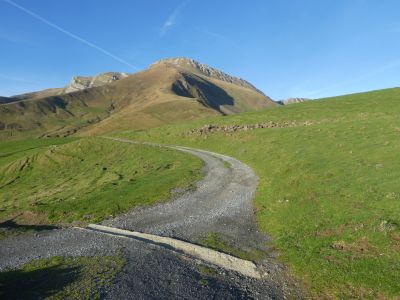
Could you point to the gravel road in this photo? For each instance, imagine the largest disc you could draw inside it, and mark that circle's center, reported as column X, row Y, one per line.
column 221, row 203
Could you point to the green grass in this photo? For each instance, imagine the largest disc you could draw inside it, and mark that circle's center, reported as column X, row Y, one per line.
column 86, row 180
column 61, row 278
column 226, row 164
column 329, row 193
column 207, row 271
column 216, row 242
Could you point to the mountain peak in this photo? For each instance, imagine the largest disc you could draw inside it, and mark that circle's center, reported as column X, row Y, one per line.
column 192, row 65
column 179, row 61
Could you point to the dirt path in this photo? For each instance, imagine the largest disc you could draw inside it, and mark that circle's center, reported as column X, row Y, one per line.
column 221, row 203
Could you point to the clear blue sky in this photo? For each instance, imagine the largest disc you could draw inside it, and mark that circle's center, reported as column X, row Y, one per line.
column 302, row 48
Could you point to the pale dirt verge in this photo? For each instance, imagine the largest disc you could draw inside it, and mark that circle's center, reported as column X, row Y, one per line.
column 244, row 267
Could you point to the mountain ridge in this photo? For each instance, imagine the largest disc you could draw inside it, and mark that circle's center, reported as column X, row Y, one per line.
column 77, row 83
column 162, row 94
column 206, row 70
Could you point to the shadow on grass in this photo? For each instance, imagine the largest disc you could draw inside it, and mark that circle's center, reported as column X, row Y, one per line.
column 36, row 284
column 11, row 225
column 10, row 228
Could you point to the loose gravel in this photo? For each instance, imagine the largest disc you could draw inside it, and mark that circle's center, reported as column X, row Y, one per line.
column 220, row 204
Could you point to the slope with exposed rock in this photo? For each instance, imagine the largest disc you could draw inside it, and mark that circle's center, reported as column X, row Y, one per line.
column 171, row 90
column 293, row 100
column 79, row 83
column 191, row 65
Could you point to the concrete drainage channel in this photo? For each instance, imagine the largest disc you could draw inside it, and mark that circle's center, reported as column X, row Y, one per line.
column 244, row 267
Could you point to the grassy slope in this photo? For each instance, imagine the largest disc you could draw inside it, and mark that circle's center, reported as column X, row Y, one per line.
column 53, row 116
column 66, row 180
column 329, row 193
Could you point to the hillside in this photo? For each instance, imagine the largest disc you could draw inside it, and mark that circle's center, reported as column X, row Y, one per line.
column 78, row 83
column 39, row 94
column 170, row 91
column 329, row 186
column 64, row 180
column 5, row 100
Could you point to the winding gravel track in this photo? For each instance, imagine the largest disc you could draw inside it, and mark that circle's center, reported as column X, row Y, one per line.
column 221, row 203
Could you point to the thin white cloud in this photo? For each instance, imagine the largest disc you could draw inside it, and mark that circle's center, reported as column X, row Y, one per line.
column 171, row 20
column 72, row 35
column 17, row 79
column 11, row 85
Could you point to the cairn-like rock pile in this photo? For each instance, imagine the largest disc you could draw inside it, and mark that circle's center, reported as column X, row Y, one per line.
column 234, row 128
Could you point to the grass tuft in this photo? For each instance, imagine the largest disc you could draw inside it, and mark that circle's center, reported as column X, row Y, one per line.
column 216, row 242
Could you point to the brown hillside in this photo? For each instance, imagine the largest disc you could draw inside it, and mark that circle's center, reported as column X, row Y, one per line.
column 169, row 91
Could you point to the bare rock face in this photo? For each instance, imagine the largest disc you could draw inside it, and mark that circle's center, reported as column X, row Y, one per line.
column 79, row 83
column 293, row 100
column 202, row 69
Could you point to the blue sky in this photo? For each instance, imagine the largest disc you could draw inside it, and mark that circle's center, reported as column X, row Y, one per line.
column 287, row 48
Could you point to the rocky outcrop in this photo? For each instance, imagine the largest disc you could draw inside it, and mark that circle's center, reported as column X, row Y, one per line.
column 79, row 83
column 192, row 65
column 293, row 100
column 234, row 128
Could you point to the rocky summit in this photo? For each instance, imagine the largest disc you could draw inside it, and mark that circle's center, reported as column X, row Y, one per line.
column 192, row 65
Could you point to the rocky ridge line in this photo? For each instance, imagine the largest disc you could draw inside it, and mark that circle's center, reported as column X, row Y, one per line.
column 207, row 71
column 79, row 83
